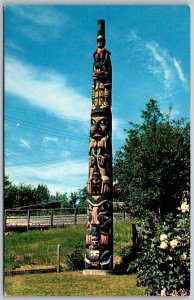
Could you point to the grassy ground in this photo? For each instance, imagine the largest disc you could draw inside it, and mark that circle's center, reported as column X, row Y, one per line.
column 72, row 284
column 39, row 247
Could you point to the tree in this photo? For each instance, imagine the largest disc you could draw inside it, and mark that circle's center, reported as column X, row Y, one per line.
column 73, row 199
column 9, row 193
column 82, row 200
column 63, row 199
column 23, row 194
column 42, row 193
column 152, row 169
column 26, row 195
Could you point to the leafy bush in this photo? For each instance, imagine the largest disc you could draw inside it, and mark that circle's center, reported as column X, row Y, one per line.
column 75, row 259
column 163, row 264
column 125, row 255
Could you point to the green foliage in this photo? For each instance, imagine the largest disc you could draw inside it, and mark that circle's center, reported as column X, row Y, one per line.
column 75, row 259
column 163, row 264
column 122, row 236
column 12, row 262
column 10, row 193
column 127, row 261
column 82, row 200
column 152, row 169
column 62, row 198
column 42, row 193
column 73, row 199
column 23, row 194
column 16, row 196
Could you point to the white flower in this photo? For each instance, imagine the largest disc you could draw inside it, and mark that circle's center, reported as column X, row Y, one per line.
column 163, row 245
column 163, row 292
column 184, row 207
column 163, row 237
column 174, row 243
column 169, row 257
column 184, row 256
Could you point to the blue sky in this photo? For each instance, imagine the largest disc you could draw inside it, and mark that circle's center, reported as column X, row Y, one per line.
column 48, row 78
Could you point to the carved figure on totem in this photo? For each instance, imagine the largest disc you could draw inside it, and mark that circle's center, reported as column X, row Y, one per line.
column 100, row 154
column 102, row 72
column 99, row 241
column 99, row 233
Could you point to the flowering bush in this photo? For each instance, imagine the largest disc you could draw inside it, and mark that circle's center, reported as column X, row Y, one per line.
column 163, row 263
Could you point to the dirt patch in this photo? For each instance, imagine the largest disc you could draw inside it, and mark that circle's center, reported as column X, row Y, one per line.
column 33, row 267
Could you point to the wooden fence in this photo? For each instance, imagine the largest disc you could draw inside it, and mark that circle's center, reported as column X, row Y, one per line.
column 46, row 218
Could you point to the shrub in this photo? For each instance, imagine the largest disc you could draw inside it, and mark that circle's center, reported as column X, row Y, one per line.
column 75, row 259
column 126, row 255
column 163, row 264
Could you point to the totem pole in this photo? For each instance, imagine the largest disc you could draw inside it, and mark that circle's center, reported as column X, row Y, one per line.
column 99, row 235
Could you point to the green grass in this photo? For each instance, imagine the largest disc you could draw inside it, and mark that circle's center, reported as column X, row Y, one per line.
column 72, row 284
column 122, row 232
column 39, row 247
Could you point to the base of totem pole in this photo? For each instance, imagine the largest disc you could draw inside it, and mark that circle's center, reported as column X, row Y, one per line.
column 97, row 272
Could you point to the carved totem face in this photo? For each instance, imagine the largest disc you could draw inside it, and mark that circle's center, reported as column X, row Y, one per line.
column 99, row 223
column 99, row 127
column 100, row 42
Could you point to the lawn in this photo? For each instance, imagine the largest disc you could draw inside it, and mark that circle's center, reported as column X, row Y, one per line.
column 38, row 248
column 72, row 284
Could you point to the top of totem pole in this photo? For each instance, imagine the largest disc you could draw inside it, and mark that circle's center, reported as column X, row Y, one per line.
column 102, row 74
column 101, row 29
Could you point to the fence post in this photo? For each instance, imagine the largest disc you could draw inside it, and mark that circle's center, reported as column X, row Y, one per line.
column 124, row 213
column 52, row 219
column 58, row 258
column 75, row 215
column 28, row 225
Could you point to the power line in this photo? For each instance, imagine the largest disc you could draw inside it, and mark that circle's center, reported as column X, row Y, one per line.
column 45, row 161
column 14, row 174
column 50, row 115
column 26, row 125
column 59, row 116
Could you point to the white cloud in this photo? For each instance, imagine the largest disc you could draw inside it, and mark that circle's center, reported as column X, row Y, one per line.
column 118, row 126
column 50, row 139
column 34, row 34
column 12, row 45
column 132, row 35
column 163, row 67
column 24, row 143
column 179, row 70
column 46, row 89
column 40, row 23
column 65, row 176
column 41, row 15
